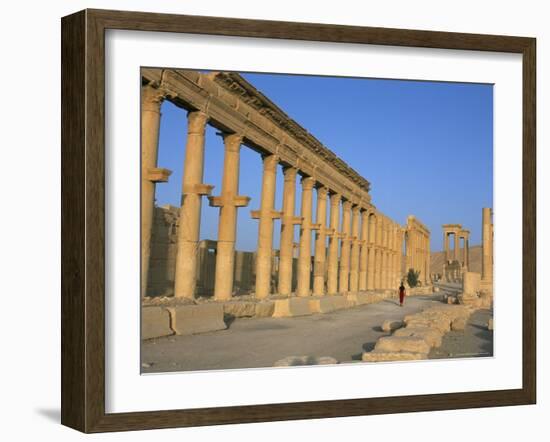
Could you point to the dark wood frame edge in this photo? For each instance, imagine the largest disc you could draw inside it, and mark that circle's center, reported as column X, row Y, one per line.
column 83, row 234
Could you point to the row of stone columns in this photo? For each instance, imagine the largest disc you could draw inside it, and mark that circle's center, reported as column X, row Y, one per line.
column 418, row 252
column 363, row 254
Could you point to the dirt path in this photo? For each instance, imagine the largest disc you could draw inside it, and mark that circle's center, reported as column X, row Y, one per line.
column 247, row 343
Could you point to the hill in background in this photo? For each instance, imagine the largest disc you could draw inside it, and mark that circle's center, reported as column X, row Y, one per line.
column 438, row 259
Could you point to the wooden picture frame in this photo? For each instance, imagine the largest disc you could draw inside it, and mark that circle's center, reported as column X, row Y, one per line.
column 83, row 220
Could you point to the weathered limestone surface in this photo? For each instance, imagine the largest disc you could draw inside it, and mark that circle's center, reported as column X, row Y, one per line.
column 327, row 304
column 458, row 324
column 389, row 326
column 193, row 319
column 432, row 336
column 291, row 361
column 471, row 283
column 490, row 325
column 155, row 322
column 381, row 356
column 265, row 309
column 291, row 307
column 240, row 309
column 409, row 344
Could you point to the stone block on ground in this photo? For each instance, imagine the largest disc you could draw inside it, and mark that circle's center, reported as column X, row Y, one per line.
column 432, row 336
column 379, row 356
column 358, row 299
column 490, row 325
column 193, row 319
column 264, row 309
column 459, row 324
column 155, row 322
column 408, row 344
column 240, row 309
column 293, row 361
column 321, row 304
column 471, row 283
column 291, row 307
column 451, row 300
column 390, row 325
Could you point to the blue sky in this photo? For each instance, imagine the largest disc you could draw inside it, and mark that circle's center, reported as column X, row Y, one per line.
column 426, row 148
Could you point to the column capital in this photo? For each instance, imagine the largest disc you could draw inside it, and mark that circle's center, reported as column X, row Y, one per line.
column 290, row 173
column 270, row 163
column 322, row 191
column 151, row 98
column 346, row 205
column 307, row 182
column 335, row 199
column 356, row 209
column 232, row 142
column 196, row 122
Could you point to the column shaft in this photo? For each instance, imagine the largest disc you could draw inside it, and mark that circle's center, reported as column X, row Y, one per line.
column 487, row 246
column 265, row 230
column 332, row 263
column 190, row 211
column 446, row 242
column 457, row 248
column 364, row 252
column 371, row 252
column 320, row 243
column 304, row 259
column 227, row 225
column 287, row 232
column 378, row 255
column 354, row 262
column 343, row 281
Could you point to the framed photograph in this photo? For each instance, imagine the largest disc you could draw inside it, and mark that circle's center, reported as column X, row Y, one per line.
column 267, row 221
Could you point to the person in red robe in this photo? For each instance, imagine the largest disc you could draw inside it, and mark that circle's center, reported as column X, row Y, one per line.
column 401, row 294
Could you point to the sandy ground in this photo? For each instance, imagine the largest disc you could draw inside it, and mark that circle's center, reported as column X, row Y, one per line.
column 343, row 335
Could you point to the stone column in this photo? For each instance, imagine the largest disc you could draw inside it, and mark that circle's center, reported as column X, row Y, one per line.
column 446, row 242
column 343, row 281
column 467, row 252
column 287, row 231
column 378, row 255
column 266, row 214
column 304, row 259
column 371, row 252
column 320, row 243
column 355, row 243
column 151, row 100
column 393, row 257
column 457, row 248
column 228, row 202
column 190, row 211
column 384, row 255
column 332, row 263
column 428, row 261
column 364, row 252
column 487, row 246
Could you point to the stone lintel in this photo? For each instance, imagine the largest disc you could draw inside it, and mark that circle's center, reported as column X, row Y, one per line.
column 199, row 189
column 157, row 174
column 315, row 226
